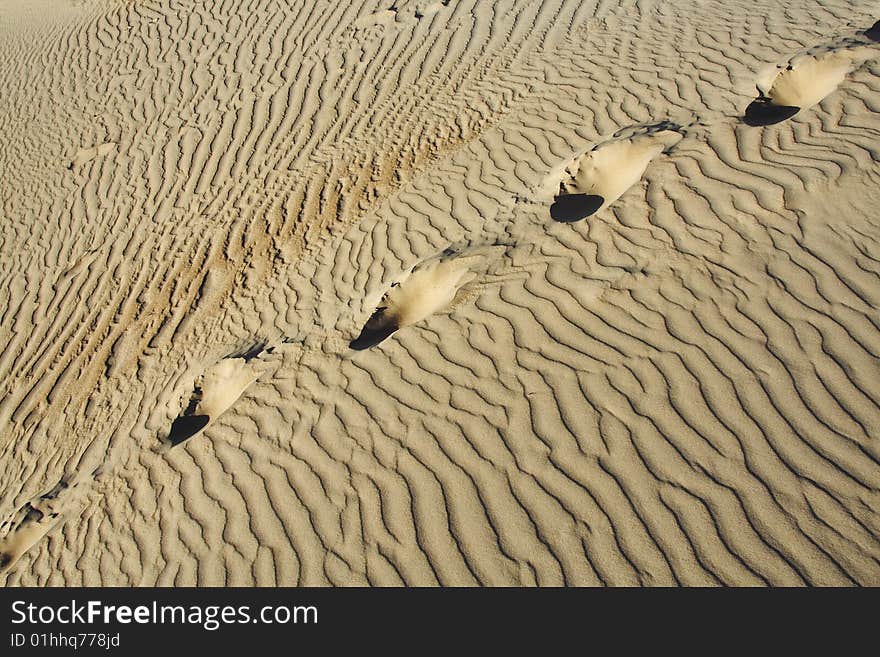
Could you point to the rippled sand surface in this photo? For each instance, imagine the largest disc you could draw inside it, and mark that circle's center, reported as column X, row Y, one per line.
column 439, row 292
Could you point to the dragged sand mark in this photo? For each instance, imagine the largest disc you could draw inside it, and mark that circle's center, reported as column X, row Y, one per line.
column 30, row 524
column 595, row 179
column 85, row 155
column 215, row 392
column 426, row 288
column 804, row 80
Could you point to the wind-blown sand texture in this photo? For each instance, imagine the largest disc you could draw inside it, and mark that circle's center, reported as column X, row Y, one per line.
column 682, row 387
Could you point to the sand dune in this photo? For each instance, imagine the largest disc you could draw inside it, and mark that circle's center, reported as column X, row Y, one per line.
column 205, row 204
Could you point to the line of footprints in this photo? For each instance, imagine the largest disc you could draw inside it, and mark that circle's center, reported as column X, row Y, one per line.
column 585, row 184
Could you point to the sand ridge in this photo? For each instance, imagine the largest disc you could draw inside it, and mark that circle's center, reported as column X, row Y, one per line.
column 682, row 390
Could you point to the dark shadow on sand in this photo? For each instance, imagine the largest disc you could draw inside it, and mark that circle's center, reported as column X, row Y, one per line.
column 251, row 351
column 186, row 426
column 761, row 112
column 568, row 208
column 372, row 335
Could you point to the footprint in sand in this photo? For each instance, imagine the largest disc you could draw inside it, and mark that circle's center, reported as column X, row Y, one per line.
column 805, row 80
column 378, row 19
column 595, row 179
column 215, row 391
column 426, row 288
column 31, row 523
column 430, row 7
column 85, row 155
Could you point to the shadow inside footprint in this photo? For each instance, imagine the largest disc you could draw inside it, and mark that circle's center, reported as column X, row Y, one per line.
column 568, row 208
column 186, row 426
column 214, row 392
column 251, row 351
column 761, row 112
column 374, row 332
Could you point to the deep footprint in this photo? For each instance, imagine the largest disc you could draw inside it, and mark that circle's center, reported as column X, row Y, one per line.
column 804, row 81
column 427, row 288
column 594, row 180
column 218, row 388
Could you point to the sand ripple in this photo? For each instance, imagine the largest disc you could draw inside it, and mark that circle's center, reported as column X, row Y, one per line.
column 681, row 388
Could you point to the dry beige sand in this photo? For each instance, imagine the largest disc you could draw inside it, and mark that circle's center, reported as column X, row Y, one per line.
column 207, row 205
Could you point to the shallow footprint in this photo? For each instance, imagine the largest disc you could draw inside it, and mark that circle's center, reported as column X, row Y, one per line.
column 85, row 155
column 32, row 522
column 428, row 287
column 804, row 81
column 218, row 389
column 593, row 180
